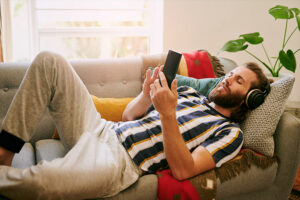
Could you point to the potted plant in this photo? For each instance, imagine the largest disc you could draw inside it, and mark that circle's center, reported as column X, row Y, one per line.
column 284, row 58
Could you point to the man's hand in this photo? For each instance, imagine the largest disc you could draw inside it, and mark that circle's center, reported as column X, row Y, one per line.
column 164, row 99
column 138, row 107
column 150, row 80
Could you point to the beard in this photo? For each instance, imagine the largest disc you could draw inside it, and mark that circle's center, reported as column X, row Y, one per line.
column 227, row 100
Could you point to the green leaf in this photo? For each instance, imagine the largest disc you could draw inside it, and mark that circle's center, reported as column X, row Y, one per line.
column 298, row 21
column 296, row 11
column 288, row 60
column 252, row 38
column 281, row 12
column 234, row 45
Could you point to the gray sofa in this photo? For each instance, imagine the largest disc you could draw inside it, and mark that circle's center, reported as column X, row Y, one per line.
column 123, row 78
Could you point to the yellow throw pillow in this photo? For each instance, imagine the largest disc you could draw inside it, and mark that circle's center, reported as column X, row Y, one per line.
column 110, row 109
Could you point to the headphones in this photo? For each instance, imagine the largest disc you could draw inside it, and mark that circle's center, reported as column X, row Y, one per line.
column 256, row 97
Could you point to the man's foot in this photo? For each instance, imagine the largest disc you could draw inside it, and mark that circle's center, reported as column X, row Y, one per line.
column 6, row 156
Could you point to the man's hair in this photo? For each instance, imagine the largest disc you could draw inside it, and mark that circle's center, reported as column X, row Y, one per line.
column 263, row 83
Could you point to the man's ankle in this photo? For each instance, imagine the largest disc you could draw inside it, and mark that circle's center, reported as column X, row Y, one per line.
column 6, row 156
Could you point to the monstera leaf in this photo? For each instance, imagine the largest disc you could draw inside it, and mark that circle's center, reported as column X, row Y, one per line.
column 281, row 12
column 288, row 60
column 297, row 12
column 234, row 45
column 252, row 38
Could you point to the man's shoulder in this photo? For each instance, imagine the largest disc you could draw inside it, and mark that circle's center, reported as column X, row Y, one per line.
column 188, row 90
column 190, row 93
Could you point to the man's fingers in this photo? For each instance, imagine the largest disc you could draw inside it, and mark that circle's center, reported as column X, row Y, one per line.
column 161, row 67
column 174, row 86
column 163, row 79
column 148, row 75
column 157, row 84
column 155, row 73
column 152, row 90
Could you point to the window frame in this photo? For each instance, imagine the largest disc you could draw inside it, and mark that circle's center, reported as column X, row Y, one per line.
column 32, row 47
column 155, row 37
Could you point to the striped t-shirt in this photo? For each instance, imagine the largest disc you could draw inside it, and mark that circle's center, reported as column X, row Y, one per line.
column 199, row 124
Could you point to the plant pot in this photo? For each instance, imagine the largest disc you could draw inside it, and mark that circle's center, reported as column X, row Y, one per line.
column 269, row 76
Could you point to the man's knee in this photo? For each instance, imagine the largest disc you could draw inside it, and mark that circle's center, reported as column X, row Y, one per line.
column 48, row 59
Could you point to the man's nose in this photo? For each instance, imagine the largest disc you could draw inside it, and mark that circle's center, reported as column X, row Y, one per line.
column 228, row 80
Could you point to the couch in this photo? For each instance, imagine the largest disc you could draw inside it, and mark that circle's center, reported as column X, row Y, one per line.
column 123, row 77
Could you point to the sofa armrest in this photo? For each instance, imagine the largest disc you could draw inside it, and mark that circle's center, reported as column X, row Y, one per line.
column 287, row 148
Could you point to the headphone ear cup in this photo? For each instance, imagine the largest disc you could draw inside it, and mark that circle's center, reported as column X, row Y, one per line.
column 255, row 98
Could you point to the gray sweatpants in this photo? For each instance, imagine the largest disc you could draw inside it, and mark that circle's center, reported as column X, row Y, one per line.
column 96, row 165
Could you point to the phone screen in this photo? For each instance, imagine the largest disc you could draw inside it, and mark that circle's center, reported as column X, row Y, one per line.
column 171, row 66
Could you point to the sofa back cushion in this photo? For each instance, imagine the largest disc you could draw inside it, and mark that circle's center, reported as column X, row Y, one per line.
column 111, row 77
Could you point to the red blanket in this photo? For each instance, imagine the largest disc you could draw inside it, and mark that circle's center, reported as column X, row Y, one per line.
column 183, row 190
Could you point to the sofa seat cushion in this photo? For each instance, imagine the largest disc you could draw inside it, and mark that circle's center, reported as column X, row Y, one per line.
column 144, row 188
column 25, row 158
column 49, row 149
column 252, row 172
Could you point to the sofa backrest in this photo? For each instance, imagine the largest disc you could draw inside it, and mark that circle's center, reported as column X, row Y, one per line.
column 120, row 77
column 111, row 77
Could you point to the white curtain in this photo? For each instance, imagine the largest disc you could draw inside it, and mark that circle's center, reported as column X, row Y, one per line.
column 6, row 31
column 1, row 54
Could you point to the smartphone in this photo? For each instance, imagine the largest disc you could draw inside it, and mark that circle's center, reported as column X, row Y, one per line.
column 171, row 66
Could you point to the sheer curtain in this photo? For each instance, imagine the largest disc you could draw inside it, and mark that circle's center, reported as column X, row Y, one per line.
column 5, row 31
column 1, row 55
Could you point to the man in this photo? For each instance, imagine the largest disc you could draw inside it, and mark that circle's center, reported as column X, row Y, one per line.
column 182, row 130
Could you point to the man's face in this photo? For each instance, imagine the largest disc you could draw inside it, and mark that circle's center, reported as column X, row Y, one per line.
column 231, row 92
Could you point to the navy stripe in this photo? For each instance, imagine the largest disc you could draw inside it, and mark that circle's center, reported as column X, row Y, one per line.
column 222, row 153
column 137, row 137
column 228, row 126
column 148, row 153
column 186, row 104
column 191, row 116
column 163, row 164
column 123, row 126
column 182, row 88
column 201, row 128
column 150, row 109
column 212, row 139
column 190, row 90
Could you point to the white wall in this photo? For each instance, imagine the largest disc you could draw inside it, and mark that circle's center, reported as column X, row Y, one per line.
column 207, row 24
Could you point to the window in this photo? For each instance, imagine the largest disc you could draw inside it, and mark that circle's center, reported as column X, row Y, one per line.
column 86, row 29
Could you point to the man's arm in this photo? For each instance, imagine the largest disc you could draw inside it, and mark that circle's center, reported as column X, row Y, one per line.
column 182, row 163
column 138, row 106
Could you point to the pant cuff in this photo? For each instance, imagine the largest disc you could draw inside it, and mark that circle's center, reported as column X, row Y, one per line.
column 11, row 142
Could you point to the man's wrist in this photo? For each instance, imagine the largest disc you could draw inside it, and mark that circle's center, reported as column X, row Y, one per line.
column 168, row 116
column 146, row 98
